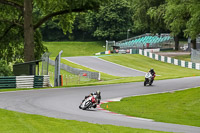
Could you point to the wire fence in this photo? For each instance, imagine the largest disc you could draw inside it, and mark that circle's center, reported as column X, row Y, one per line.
column 72, row 79
column 76, row 71
column 195, row 56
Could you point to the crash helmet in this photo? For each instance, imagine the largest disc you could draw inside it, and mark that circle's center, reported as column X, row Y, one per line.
column 151, row 70
column 98, row 92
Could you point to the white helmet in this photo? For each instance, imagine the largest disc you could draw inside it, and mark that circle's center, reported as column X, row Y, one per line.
column 98, row 92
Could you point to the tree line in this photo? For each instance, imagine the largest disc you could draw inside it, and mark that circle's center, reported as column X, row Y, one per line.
column 23, row 23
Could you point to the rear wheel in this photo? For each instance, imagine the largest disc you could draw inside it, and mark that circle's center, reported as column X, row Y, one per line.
column 95, row 106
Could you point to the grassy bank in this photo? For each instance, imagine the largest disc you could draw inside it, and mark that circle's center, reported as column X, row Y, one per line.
column 181, row 107
column 138, row 62
column 74, row 48
column 183, row 57
column 14, row 122
column 142, row 63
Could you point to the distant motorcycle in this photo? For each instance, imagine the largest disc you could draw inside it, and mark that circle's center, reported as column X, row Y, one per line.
column 148, row 79
column 89, row 102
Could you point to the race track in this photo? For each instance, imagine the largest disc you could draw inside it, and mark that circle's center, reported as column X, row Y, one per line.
column 63, row 103
column 104, row 66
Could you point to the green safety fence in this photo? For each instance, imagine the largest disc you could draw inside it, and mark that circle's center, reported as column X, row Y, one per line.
column 11, row 82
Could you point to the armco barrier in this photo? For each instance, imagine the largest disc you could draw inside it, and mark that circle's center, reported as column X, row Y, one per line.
column 170, row 60
column 76, row 71
column 8, row 82
column 24, row 81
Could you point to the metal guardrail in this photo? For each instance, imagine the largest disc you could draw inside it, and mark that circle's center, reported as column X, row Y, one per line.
column 24, row 81
column 8, row 82
column 170, row 60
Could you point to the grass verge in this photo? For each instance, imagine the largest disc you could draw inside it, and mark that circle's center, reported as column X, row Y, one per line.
column 183, row 57
column 142, row 63
column 138, row 62
column 74, row 48
column 180, row 107
column 15, row 122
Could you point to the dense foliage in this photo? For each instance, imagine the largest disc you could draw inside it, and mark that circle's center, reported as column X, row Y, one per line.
column 5, row 69
column 113, row 20
column 20, row 19
column 89, row 20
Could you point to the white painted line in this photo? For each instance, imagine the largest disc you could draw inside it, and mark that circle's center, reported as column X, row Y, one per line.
column 132, row 117
column 21, row 90
column 115, row 99
column 155, row 93
column 138, row 118
column 113, row 113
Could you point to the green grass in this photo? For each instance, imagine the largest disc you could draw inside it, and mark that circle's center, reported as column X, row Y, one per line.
column 104, row 76
column 14, row 122
column 74, row 48
column 69, row 79
column 180, row 107
column 142, row 63
column 139, row 62
column 183, row 57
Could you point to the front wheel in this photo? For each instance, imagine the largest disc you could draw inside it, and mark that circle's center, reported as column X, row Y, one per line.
column 145, row 83
column 151, row 82
column 87, row 105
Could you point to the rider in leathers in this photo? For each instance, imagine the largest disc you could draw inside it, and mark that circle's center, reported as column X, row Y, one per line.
column 152, row 73
column 98, row 97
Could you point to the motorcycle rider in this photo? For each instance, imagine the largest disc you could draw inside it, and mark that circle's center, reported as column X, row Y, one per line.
column 98, row 97
column 152, row 73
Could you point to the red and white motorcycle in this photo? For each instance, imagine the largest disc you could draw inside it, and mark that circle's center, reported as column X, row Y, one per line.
column 89, row 102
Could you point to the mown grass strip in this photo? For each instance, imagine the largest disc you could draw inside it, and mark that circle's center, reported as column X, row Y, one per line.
column 183, row 57
column 15, row 122
column 180, row 107
column 74, row 48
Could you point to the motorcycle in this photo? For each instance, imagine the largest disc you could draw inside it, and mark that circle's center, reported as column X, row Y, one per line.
column 148, row 79
column 89, row 102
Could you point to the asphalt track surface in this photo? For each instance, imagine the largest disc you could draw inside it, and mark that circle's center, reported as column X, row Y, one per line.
column 63, row 103
column 101, row 65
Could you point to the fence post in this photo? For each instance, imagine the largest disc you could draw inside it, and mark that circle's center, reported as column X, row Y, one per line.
column 79, row 79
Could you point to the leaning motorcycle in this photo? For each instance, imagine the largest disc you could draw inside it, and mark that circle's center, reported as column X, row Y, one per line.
column 148, row 79
column 88, row 103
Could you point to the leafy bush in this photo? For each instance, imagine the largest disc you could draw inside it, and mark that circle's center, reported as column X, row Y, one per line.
column 5, row 69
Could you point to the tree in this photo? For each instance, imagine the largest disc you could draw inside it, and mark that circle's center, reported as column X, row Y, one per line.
column 145, row 20
column 183, row 15
column 5, row 69
column 24, row 17
column 85, row 25
column 113, row 20
column 157, row 14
